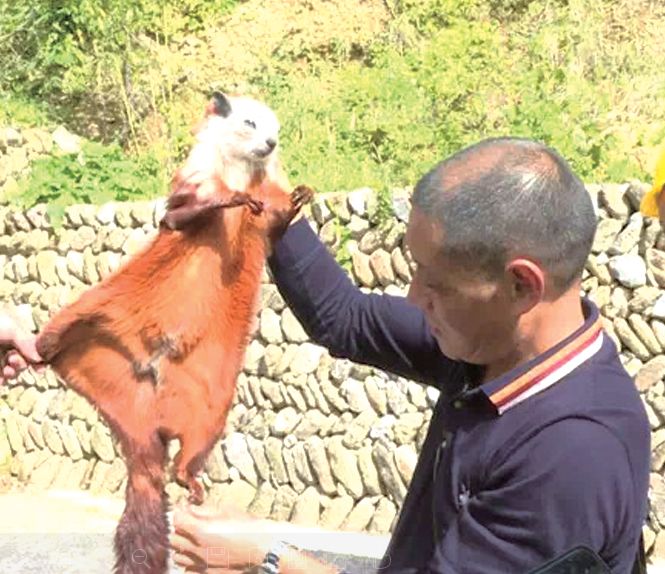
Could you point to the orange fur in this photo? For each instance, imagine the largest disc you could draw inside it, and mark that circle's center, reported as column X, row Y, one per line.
column 186, row 303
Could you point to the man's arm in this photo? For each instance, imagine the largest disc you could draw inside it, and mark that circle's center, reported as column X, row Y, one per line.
column 572, row 486
column 379, row 330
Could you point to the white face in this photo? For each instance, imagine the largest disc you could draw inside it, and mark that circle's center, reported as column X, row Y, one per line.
column 250, row 132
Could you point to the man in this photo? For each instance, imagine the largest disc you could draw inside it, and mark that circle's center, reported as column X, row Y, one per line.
column 539, row 441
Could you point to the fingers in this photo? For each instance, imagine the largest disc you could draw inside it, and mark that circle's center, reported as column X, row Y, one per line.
column 26, row 346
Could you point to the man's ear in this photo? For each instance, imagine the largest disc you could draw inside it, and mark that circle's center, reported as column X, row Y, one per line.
column 528, row 282
column 220, row 105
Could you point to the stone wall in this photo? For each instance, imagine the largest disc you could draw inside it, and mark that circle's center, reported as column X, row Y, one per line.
column 310, row 439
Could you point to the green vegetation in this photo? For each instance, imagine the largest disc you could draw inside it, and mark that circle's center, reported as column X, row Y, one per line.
column 98, row 174
column 585, row 76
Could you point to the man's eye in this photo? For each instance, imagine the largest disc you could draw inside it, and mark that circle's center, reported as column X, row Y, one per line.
column 251, row 124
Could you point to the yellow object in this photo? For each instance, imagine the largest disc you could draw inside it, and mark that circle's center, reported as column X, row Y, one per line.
column 649, row 204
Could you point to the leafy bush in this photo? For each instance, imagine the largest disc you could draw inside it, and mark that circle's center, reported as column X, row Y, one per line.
column 97, row 174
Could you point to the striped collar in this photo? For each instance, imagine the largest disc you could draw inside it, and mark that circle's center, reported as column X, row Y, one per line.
column 542, row 372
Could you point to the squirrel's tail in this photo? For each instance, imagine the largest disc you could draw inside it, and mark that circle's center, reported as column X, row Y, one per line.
column 142, row 537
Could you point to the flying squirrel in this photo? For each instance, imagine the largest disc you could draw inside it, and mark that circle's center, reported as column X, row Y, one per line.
column 157, row 346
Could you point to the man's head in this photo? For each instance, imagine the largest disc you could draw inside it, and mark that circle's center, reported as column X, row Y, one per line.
column 497, row 231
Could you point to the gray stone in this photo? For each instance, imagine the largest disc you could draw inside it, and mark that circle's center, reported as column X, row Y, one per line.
column 658, row 310
column 658, row 329
column 655, row 259
column 606, row 233
column 52, row 436
column 645, row 334
column 237, row 453
column 240, row 492
column 313, row 422
column 370, row 242
column 27, row 401
column 270, row 328
column 285, row 498
column 307, row 359
column 344, row 465
column 400, row 264
column 115, row 475
column 316, row 453
column 358, row 429
column 368, row 472
column 35, row 432
column 401, row 207
column 253, row 355
column 44, row 474
column 216, row 465
column 75, row 264
column 270, row 360
column 405, row 461
column 307, row 507
column 599, row 269
column 360, row 200
column 101, row 443
column 273, row 447
column 396, row 397
column 357, row 226
column 65, row 141
column 295, row 481
column 107, row 263
column 293, row 330
column 71, row 442
column 90, row 275
column 333, row 516
column 643, row 299
column 362, row 270
column 650, row 234
column 136, row 241
column 320, row 210
column 286, row 420
column 115, row 239
column 360, row 517
column 83, row 435
column 85, row 236
column 382, row 267
column 630, row 339
column 629, row 270
column 383, row 517
column 353, row 392
column 652, row 372
column 407, row 426
column 263, row 501
column 388, row 473
column 612, row 197
column 629, row 237
column 142, row 212
column 329, row 233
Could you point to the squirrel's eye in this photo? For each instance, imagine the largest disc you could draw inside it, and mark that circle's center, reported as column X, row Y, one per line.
column 251, row 124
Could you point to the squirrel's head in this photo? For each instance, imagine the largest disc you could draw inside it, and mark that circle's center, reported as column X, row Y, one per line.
column 241, row 128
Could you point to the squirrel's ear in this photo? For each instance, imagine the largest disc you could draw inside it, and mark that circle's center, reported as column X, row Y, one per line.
column 219, row 104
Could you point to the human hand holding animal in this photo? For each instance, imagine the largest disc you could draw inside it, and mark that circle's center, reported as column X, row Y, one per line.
column 17, row 347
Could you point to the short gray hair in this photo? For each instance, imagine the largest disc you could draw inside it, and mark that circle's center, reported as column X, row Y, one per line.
column 511, row 196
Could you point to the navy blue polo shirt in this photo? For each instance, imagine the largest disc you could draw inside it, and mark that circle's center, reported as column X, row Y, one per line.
column 513, row 472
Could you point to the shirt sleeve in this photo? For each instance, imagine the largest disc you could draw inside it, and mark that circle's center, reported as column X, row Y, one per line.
column 571, row 485
column 380, row 330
